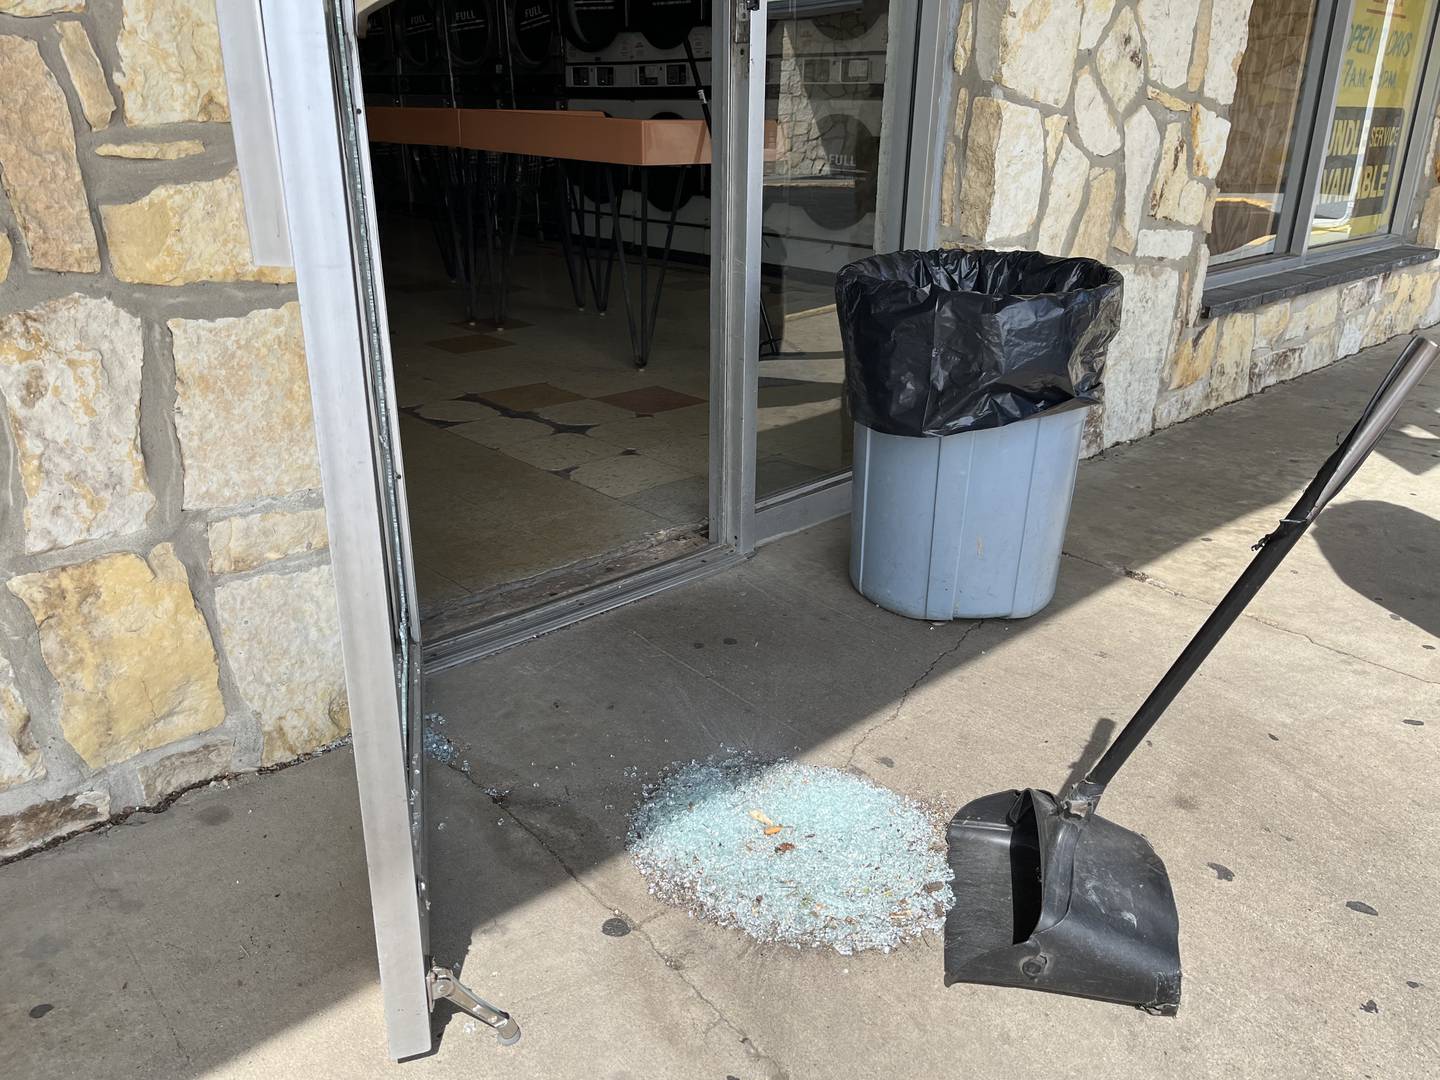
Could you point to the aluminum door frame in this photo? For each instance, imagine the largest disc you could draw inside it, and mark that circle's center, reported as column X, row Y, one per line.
column 738, row 163
column 328, row 199
column 328, row 196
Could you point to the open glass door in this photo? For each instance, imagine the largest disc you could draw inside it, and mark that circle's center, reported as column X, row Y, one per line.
column 321, row 126
column 311, row 52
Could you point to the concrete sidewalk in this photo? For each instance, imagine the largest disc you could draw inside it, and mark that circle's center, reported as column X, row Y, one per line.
column 230, row 936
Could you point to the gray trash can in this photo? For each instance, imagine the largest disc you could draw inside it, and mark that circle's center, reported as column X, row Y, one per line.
column 966, row 526
column 968, row 374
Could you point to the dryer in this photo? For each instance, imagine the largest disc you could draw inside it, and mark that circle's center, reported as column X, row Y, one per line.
column 503, row 53
column 533, row 63
column 474, row 44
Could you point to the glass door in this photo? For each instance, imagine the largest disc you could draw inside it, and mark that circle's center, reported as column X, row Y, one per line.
column 839, row 97
column 328, row 197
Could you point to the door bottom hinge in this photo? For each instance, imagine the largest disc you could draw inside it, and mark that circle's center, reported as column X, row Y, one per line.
column 442, row 983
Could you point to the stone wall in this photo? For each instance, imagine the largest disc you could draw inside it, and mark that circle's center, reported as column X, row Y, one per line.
column 1097, row 128
column 167, row 612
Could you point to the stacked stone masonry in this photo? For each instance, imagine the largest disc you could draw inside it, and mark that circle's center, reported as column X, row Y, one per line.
column 1096, row 128
column 167, row 609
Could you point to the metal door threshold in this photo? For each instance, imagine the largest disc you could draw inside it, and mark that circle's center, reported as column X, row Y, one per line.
column 466, row 645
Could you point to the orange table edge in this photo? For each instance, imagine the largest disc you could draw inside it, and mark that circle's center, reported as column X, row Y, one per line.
column 572, row 135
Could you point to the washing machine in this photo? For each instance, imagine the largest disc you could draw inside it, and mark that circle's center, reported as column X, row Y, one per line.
column 532, row 74
column 628, row 58
column 635, row 50
column 474, row 45
column 466, row 53
column 423, row 66
column 379, row 62
column 503, row 53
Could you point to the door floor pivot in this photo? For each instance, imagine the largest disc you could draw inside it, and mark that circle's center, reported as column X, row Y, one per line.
column 443, row 984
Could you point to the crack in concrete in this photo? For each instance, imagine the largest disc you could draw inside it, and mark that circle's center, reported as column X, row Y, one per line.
column 1341, row 652
column 1146, row 579
column 136, row 816
column 635, row 927
column 876, row 727
column 1134, row 575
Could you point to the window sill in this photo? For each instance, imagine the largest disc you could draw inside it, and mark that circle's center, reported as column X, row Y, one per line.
column 1283, row 284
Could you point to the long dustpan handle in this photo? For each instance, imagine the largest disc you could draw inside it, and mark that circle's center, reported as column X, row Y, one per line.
column 1339, row 467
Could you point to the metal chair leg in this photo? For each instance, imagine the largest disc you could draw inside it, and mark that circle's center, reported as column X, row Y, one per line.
column 642, row 351
column 665, row 256
column 567, row 243
column 619, row 247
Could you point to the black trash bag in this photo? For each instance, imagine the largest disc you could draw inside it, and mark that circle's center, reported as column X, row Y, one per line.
column 938, row 342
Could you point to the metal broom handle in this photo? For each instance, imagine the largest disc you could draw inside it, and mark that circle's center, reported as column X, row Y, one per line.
column 1339, row 467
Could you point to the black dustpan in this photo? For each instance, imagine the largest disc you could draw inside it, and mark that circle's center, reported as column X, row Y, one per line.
column 1051, row 896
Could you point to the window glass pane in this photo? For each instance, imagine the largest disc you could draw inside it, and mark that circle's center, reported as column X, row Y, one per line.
column 1374, row 105
column 828, row 71
column 1255, row 178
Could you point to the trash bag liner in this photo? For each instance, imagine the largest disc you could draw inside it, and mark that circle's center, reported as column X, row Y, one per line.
column 939, row 342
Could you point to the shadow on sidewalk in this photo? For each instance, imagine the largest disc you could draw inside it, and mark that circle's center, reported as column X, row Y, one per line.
column 1353, row 535
column 202, row 937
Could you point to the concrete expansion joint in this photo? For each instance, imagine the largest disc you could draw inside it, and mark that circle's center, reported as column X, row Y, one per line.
column 636, row 928
column 1126, row 571
column 1146, row 579
column 1341, row 652
column 894, row 713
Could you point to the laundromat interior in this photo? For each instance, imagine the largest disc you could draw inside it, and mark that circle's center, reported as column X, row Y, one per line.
column 550, row 310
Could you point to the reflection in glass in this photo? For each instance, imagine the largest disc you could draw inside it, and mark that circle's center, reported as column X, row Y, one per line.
column 1374, row 104
column 1255, row 179
column 825, row 90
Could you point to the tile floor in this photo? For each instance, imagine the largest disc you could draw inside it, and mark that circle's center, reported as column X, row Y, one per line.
column 539, row 446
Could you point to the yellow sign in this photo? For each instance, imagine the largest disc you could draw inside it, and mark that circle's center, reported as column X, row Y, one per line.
column 1379, row 75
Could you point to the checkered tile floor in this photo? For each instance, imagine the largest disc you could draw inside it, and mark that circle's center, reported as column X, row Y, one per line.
column 568, row 435
column 537, row 446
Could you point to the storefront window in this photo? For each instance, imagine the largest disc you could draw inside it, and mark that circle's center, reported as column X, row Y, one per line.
column 1374, row 108
column 1325, row 105
column 1255, row 178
